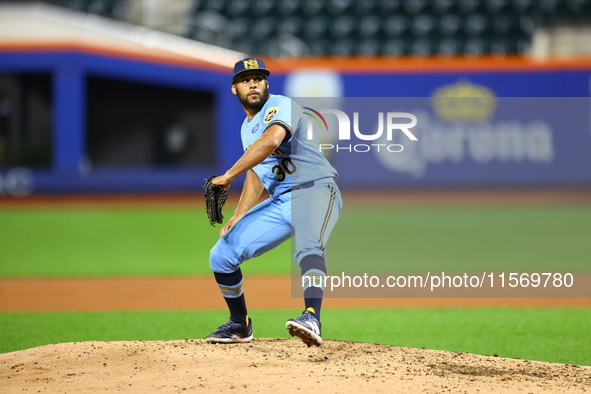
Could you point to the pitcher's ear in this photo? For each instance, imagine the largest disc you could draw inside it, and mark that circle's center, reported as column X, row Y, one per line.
column 234, row 89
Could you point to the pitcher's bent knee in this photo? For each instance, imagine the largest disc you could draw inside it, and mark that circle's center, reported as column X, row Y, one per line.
column 299, row 255
column 221, row 259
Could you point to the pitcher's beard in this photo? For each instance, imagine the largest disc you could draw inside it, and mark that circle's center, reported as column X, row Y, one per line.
column 255, row 105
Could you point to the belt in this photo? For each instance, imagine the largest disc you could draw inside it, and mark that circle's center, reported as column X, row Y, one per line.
column 298, row 187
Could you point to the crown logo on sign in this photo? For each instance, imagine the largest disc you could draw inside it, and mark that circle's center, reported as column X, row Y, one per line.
column 464, row 102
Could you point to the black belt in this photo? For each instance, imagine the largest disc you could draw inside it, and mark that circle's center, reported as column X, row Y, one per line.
column 298, row 187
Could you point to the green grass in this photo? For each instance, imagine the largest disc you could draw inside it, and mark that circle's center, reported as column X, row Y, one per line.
column 462, row 240
column 161, row 242
column 115, row 242
column 556, row 335
column 101, row 242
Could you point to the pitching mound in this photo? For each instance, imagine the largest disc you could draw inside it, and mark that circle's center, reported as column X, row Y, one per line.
column 275, row 365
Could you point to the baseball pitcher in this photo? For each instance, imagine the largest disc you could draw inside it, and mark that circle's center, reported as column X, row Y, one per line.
column 304, row 203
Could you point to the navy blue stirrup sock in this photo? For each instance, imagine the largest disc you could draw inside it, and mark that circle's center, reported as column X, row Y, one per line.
column 231, row 288
column 313, row 279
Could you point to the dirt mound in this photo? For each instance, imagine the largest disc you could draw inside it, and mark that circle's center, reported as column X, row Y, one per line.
column 274, row 365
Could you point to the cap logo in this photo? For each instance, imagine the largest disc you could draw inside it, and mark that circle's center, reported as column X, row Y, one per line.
column 250, row 64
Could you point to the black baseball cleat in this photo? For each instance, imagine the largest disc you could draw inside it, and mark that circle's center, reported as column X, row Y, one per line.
column 231, row 332
column 307, row 327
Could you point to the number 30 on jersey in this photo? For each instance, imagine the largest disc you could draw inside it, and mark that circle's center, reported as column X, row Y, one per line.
column 285, row 167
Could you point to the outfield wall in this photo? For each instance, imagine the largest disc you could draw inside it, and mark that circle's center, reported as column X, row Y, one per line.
column 546, row 145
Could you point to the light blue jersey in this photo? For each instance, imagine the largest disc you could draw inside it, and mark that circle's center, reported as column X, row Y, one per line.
column 308, row 213
column 298, row 160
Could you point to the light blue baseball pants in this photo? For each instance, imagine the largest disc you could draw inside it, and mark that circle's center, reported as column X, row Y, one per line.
column 308, row 215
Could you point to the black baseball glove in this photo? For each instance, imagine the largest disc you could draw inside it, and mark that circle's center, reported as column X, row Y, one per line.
column 215, row 198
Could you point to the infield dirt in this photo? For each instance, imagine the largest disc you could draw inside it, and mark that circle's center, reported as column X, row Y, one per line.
column 266, row 364
column 275, row 365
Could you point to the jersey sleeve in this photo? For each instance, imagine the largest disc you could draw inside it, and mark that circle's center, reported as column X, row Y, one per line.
column 280, row 113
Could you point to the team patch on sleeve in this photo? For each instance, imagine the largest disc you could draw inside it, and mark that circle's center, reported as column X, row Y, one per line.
column 271, row 112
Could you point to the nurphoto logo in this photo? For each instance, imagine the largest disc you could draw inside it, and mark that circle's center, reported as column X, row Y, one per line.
column 390, row 119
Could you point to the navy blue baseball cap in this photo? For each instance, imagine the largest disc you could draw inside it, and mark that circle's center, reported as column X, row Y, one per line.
column 249, row 64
